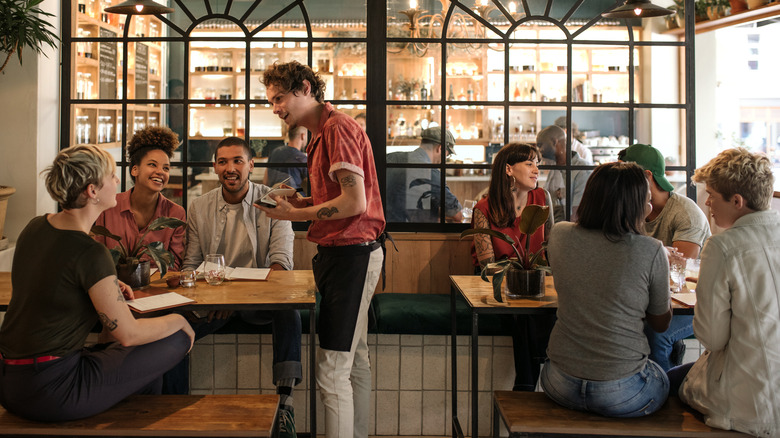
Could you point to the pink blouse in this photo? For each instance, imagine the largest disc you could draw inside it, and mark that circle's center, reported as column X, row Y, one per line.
column 119, row 220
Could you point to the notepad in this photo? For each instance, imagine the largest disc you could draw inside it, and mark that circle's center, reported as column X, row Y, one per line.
column 158, row 302
column 268, row 199
column 687, row 299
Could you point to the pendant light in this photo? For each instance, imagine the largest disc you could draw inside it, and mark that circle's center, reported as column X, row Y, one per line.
column 637, row 9
column 139, row 7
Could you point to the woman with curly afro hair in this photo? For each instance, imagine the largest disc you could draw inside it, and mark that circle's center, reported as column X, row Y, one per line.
column 149, row 152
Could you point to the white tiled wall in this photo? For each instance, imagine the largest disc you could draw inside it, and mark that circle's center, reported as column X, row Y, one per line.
column 411, row 375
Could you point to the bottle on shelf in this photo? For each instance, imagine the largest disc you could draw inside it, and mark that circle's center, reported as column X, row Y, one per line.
column 240, row 126
column 462, row 94
column 499, row 134
column 390, row 126
column 389, row 89
column 423, row 92
column 364, row 94
column 400, row 126
column 343, row 95
column 82, row 8
column 451, row 95
column 355, row 95
column 526, row 92
column 470, row 93
column 533, row 92
column 516, row 94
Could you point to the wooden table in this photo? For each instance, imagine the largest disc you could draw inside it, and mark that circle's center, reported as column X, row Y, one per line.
column 282, row 290
column 479, row 297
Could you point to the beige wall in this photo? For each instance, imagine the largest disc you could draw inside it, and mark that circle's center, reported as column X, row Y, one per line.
column 422, row 264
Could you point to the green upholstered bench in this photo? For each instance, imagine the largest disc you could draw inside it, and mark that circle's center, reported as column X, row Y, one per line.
column 429, row 314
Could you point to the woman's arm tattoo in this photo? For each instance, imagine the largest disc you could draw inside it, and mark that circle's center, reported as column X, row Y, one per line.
column 108, row 323
column 326, row 212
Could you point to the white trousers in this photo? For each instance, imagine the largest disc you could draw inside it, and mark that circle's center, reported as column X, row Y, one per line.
column 344, row 377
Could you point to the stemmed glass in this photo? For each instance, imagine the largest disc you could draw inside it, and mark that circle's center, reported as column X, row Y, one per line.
column 215, row 269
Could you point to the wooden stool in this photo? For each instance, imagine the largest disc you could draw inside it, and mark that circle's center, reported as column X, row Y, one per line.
column 533, row 413
column 164, row 415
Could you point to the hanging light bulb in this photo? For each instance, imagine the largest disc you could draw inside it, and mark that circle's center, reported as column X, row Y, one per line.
column 139, row 7
column 637, row 9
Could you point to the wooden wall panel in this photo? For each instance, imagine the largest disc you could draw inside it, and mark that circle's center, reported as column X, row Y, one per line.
column 422, row 264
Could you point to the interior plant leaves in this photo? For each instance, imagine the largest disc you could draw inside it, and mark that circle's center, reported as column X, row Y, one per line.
column 103, row 231
column 161, row 256
column 497, row 234
column 533, row 217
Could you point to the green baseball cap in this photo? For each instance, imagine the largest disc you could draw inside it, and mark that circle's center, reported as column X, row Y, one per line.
column 433, row 135
column 649, row 158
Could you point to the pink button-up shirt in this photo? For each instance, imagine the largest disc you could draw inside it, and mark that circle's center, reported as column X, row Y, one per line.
column 120, row 221
column 340, row 143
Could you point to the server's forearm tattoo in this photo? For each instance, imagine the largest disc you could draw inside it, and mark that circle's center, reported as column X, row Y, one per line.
column 107, row 322
column 348, row 181
column 120, row 297
column 326, row 212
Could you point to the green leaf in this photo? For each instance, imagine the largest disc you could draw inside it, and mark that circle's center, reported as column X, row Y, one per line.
column 22, row 26
column 533, row 217
column 165, row 222
column 162, row 257
column 498, row 278
column 497, row 234
column 103, row 231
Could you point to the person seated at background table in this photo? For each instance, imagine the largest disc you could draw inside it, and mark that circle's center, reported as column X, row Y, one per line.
column 413, row 194
column 610, row 278
column 223, row 221
column 677, row 222
column 361, row 120
column 513, row 186
column 149, row 152
column 735, row 382
column 63, row 284
column 576, row 137
column 551, row 141
column 291, row 153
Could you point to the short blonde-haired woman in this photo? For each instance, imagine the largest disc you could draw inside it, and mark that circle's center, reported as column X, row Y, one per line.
column 736, row 382
column 63, row 283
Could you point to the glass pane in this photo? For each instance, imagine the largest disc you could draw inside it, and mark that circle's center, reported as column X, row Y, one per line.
column 663, row 128
column 291, row 20
column 464, row 26
column 604, row 132
column 214, row 121
column 662, row 80
column 495, row 73
column 414, row 72
column 263, row 123
column 414, row 194
column 406, row 123
column 348, row 81
column 467, row 125
column 201, row 181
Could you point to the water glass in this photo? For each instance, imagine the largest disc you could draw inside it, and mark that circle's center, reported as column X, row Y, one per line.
column 187, row 278
column 691, row 271
column 215, row 269
column 468, row 210
column 676, row 272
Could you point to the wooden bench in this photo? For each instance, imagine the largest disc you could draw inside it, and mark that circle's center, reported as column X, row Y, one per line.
column 164, row 415
column 534, row 414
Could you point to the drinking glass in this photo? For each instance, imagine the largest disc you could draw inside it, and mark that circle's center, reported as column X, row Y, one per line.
column 187, row 278
column 676, row 270
column 691, row 271
column 215, row 269
column 468, row 210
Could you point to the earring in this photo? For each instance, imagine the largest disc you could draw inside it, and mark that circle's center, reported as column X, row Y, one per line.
column 96, row 201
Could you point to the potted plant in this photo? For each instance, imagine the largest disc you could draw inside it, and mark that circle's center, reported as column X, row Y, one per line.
column 524, row 274
column 679, row 16
column 701, row 10
column 129, row 267
column 21, row 25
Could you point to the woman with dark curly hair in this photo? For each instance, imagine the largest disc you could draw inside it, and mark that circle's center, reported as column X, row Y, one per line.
column 149, row 152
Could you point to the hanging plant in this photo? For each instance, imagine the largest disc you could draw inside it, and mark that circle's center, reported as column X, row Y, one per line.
column 22, row 26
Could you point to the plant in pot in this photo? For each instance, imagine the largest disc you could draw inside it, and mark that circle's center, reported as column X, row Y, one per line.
column 22, row 25
column 129, row 266
column 525, row 273
column 701, row 10
column 679, row 13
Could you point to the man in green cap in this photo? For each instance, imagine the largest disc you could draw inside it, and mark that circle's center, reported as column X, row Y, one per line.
column 677, row 222
column 413, row 194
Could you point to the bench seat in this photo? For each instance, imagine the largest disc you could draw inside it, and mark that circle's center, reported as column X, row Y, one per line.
column 534, row 414
column 164, row 415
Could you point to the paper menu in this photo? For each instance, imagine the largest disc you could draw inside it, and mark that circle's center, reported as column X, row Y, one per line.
column 688, row 299
column 158, row 302
column 239, row 273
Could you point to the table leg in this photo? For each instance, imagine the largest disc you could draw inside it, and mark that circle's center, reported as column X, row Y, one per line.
column 312, row 373
column 457, row 432
column 474, row 373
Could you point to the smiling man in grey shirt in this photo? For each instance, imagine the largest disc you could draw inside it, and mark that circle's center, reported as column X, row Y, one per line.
column 223, row 221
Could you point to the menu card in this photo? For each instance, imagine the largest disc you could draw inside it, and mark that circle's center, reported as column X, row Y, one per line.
column 158, row 302
column 688, row 299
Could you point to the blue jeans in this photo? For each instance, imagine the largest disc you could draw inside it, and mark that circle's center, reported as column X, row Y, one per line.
column 634, row 396
column 661, row 343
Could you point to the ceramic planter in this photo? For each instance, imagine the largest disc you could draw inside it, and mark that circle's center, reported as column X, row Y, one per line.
column 752, row 4
column 737, row 6
column 520, row 283
column 137, row 278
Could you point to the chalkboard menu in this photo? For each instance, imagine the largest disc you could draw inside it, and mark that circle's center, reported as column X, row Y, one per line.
column 141, row 71
column 108, row 63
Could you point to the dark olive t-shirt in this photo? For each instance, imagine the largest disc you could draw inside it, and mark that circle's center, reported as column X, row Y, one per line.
column 50, row 312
